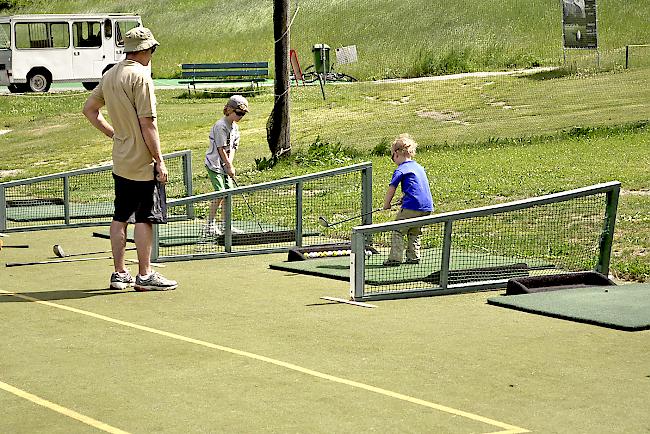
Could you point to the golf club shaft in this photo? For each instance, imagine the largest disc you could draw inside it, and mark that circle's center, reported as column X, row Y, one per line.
column 248, row 205
column 93, row 253
column 56, row 261
column 355, row 217
column 60, row 261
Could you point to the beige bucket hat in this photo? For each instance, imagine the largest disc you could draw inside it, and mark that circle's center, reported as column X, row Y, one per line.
column 139, row 39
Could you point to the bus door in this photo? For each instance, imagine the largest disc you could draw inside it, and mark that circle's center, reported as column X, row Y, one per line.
column 121, row 27
column 88, row 56
column 5, row 53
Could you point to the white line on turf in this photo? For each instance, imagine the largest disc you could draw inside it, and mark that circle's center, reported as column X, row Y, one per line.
column 508, row 429
column 62, row 410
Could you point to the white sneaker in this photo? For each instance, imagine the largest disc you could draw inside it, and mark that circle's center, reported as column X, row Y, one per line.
column 155, row 282
column 212, row 230
column 121, row 280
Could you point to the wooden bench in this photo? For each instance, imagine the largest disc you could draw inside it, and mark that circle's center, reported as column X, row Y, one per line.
column 232, row 72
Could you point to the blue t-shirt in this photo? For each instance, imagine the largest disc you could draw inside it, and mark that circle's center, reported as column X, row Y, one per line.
column 415, row 186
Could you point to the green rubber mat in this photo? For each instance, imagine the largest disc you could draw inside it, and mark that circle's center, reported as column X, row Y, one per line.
column 464, row 267
column 188, row 233
column 623, row 307
column 45, row 212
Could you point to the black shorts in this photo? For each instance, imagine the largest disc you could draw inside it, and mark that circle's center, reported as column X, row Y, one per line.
column 136, row 201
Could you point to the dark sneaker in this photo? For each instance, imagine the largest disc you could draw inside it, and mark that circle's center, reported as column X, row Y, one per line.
column 412, row 261
column 121, row 280
column 155, row 282
column 391, row 263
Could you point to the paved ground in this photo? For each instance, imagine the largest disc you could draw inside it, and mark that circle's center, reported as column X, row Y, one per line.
column 165, row 83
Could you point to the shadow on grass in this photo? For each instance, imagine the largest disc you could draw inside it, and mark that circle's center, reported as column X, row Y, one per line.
column 69, row 294
column 549, row 75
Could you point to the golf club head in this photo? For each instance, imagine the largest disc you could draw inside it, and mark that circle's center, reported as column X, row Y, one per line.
column 323, row 222
column 58, row 251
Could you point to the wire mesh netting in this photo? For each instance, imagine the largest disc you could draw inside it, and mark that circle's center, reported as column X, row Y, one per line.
column 449, row 250
column 75, row 198
column 273, row 216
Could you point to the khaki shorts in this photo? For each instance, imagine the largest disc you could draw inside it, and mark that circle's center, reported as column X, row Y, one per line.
column 220, row 181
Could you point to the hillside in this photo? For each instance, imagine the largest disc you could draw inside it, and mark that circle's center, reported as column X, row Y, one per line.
column 394, row 38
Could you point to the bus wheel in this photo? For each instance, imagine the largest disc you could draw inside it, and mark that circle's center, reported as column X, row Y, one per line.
column 39, row 81
column 89, row 85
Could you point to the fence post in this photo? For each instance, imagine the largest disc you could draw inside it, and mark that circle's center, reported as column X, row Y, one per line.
column 187, row 179
column 299, row 213
column 607, row 236
column 357, row 265
column 627, row 56
column 3, row 209
column 366, row 195
column 446, row 255
column 227, row 233
column 66, row 199
column 155, row 246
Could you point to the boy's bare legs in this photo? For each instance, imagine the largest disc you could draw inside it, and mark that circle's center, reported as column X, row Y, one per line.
column 118, row 244
column 214, row 205
column 143, row 235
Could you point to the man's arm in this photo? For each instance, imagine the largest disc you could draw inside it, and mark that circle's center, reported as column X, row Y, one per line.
column 149, row 129
column 92, row 113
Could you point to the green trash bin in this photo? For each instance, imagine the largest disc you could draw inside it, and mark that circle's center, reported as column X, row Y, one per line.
column 321, row 54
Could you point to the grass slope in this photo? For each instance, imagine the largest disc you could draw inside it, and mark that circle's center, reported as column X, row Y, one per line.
column 395, row 38
column 484, row 140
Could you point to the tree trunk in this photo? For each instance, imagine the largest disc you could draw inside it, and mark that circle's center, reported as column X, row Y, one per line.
column 277, row 132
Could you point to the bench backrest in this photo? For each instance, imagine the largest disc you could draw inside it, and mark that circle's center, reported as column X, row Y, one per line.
column 230, row 69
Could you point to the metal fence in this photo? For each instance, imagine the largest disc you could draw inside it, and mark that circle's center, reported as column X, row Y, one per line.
column 268, row 217
column 77, row 198
column 482, row 248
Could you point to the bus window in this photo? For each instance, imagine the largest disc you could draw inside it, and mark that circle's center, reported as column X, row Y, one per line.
column 87, row 34
column 5, row 40
column 42, row 35
column 108, row 29
column 121, row 27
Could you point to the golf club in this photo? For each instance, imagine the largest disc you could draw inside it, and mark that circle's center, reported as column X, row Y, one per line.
column 323, row 221
column 248, row 205
column 15, row 246
column 59, row 252
column 60, row 261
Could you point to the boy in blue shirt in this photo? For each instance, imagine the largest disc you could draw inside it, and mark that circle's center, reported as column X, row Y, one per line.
column 416, row 199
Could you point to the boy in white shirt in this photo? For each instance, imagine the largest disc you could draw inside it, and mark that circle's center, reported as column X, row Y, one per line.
column 219, row 158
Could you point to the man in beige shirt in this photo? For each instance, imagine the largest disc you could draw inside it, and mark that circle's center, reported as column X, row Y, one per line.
column 127, row 91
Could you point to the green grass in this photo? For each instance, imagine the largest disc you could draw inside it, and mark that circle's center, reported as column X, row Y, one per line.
column 483, row 140
column 395, row 38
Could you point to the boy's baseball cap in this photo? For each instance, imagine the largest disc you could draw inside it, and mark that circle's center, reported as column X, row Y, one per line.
column 139, row 39
column 238, row 102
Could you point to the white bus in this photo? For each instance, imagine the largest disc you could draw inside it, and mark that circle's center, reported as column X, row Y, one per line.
column 37, row 50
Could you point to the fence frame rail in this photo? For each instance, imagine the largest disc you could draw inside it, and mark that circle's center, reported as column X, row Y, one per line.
column 186, row 156
column 360, row 234
column 297, row 181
